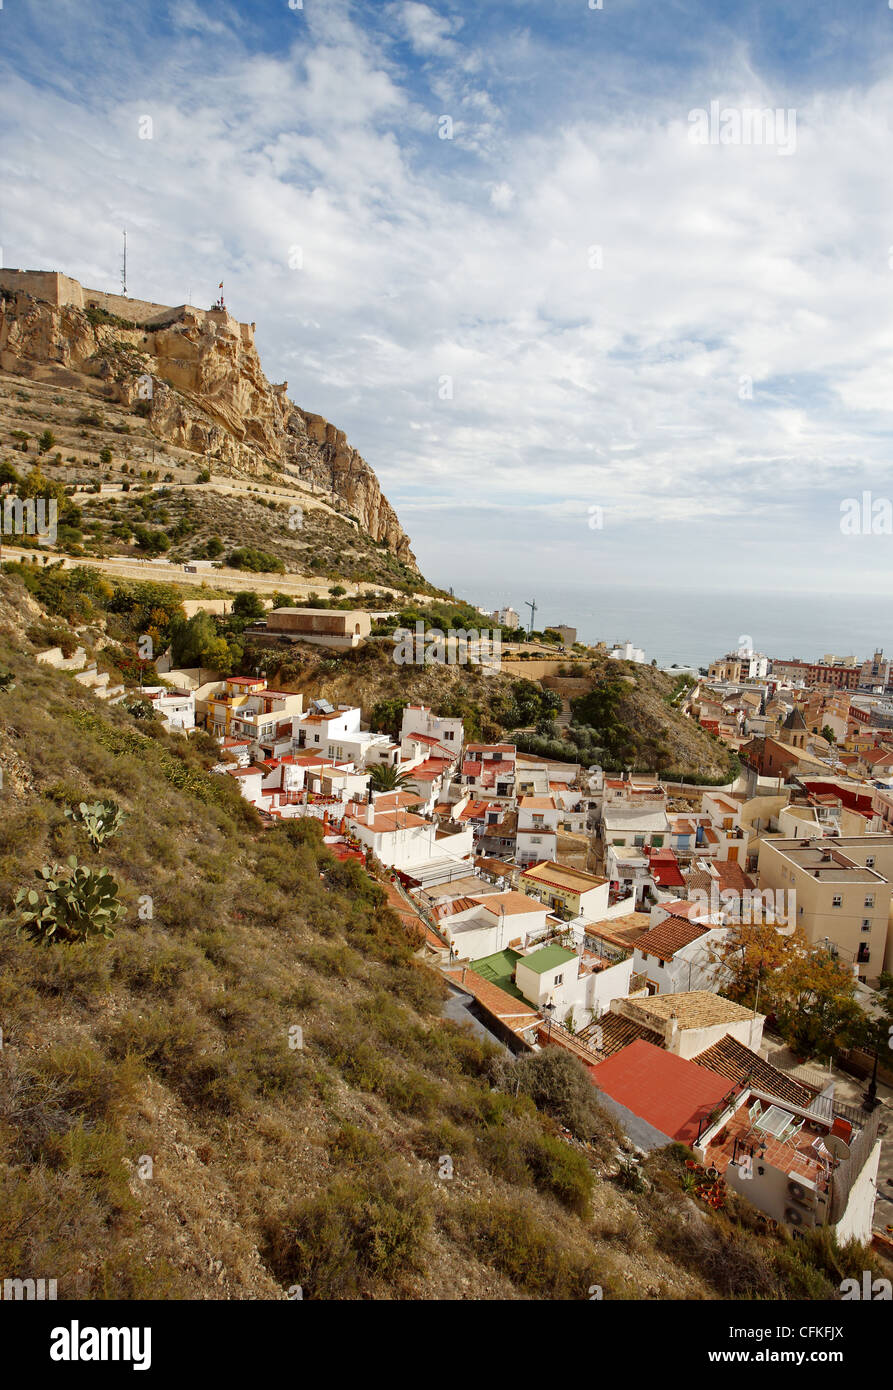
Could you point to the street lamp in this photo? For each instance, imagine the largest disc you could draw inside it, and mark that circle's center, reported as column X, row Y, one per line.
column 549, row 1010
column 870, row 1100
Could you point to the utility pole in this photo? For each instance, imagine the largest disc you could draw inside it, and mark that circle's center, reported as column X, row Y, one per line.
column 532, row 607
column 124, row 267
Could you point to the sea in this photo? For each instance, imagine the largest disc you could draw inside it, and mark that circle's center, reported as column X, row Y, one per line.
column 692, row 627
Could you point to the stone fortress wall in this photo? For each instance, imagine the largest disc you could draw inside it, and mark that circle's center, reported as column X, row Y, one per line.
column 60, row 290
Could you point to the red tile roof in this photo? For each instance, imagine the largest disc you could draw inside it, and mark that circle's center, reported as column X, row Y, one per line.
column 665, row 869
column 666, row 1091
column 732, row 877
column 429, row 769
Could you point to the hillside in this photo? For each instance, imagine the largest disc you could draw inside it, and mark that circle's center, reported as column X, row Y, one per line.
column 165, row 397
column 642, row 729
column 159, row 1135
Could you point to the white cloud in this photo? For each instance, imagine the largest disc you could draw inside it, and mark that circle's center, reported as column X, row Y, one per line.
column 573, row 385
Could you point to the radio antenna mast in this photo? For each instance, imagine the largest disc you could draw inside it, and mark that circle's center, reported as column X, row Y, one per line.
column 124, row 267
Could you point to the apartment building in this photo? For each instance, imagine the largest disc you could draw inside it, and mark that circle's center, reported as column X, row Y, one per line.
column 842, row 893
column 837, row 675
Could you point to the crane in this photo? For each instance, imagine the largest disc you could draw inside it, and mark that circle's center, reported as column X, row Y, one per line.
column 532, row 607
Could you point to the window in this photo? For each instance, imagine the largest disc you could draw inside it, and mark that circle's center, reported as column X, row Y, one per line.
column 536, row 839
column 866, row 924
column 559, row 979
column 657, row 841
column 869, row 862
column 864, row 953
column 869, row 901
column 836, row 900
column 639, row 842
column 450, row 736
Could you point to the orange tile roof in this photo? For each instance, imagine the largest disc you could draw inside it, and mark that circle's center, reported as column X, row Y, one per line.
column 512, row 903
column 537, row 803
column 511, row 1012
column 731, row 1058
column 668, row 937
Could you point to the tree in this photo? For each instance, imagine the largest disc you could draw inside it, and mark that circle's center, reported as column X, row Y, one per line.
column 8, row 475
column 828, row 733
column 196, row 642
column 248, row 605
column 388, row 779
column 811, row 994
column 387, row 717
column 214, row 548
column 45, row 441
column 105, row 455
column 337, row 590
column 259, row 561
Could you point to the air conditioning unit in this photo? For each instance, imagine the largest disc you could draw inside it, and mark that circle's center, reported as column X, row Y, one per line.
column 795, row 1217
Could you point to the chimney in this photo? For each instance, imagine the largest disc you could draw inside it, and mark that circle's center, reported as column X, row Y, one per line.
column 370, row 814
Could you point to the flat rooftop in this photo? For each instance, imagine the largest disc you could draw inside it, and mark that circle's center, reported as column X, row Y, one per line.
column 824, row 863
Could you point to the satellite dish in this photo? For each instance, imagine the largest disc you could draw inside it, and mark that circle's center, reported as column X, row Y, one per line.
column 837, row 1147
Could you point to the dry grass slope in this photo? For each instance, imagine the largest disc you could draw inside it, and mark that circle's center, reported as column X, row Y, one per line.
column 159, row 1136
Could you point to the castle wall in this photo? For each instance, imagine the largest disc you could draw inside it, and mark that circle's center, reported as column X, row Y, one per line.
column 60, row 290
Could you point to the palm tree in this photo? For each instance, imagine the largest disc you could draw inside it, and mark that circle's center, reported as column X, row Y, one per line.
column 383, row 778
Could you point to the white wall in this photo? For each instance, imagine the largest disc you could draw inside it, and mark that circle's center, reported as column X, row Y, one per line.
column 856, row 1222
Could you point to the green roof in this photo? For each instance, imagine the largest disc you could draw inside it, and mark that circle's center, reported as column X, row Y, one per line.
column 499, row 969
column 548, row 958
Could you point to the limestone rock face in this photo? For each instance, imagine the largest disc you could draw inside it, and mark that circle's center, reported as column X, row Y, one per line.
column 206, row 391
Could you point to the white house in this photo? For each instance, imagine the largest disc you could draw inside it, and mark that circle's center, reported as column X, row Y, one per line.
column 338, row 734
column 678, row 955
column 478, row 926
column 418, row 719
column 572, row 986
column 175, row 707
column 537, row 834
column 400, row 839
column 489, row 769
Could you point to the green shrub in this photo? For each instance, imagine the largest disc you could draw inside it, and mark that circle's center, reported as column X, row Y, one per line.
column 360, row 1228
column 510, row 1236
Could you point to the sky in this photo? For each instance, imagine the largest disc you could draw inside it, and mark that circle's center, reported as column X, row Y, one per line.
column 587, row 337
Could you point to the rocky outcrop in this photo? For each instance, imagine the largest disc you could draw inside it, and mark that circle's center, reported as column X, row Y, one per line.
column 204, row 390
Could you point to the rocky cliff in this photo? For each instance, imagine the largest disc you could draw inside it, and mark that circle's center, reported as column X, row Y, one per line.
column 204, row 390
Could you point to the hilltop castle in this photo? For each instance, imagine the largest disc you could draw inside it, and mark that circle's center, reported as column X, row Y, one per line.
column 60, row 290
